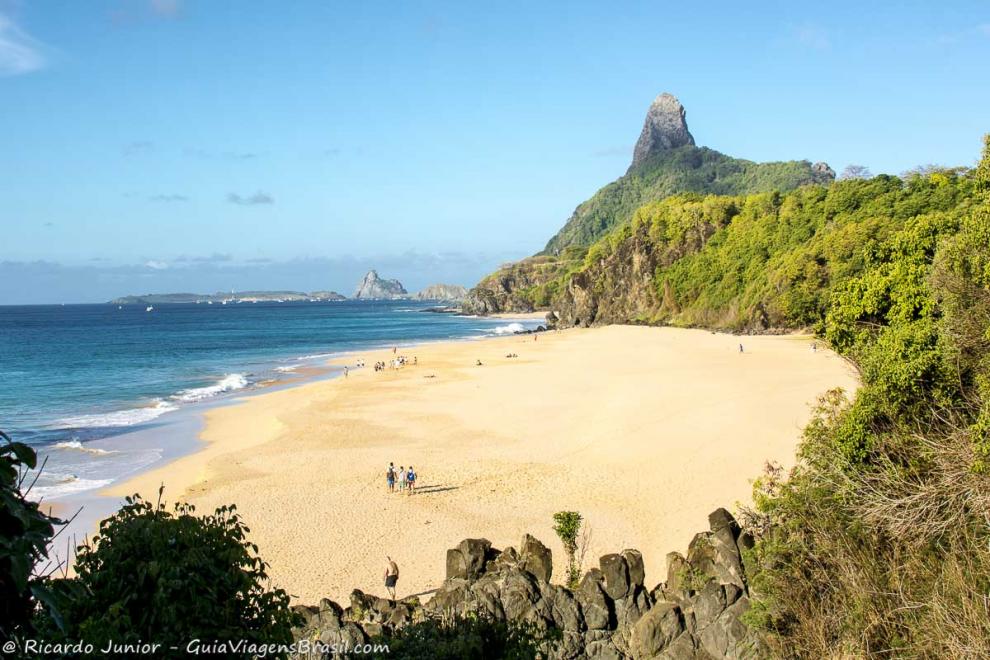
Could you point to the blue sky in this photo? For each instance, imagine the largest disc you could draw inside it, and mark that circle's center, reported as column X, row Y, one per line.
column 161, row 145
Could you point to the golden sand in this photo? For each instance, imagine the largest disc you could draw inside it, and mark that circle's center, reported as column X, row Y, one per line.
column 642, row 430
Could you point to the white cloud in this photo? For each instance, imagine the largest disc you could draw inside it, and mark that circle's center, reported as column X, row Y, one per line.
column 156, row 265
column 19, row 52
column 813, row 36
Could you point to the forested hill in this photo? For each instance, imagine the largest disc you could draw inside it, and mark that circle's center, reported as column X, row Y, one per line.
column 666, row 161
column 683, row 169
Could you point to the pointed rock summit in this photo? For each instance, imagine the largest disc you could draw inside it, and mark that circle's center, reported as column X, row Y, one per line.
column 665, row 128
column 373, row 287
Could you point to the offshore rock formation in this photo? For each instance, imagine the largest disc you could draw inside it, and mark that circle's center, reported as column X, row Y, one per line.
column 443, row 292
column 694, row 614
column 664, row 128
column 373, row 287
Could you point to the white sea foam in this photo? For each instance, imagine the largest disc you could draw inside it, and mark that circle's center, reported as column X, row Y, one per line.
column 314, row 356
column 75, row 445
column 287, row 369
column 228, row 383
column 127, row 417
column 67, row 485
column 510, row 329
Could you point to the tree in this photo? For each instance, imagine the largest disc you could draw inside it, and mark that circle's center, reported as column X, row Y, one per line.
column 855, row 172
column 567, row 525
column 25, row 532
column 171, row 577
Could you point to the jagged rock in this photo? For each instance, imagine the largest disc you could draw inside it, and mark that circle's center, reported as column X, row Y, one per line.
column 594, row 602
column 678, row 573
column 609, row 615
column 701, row 556
column 728, row 636
column 536, row 558
column 443, row 292
column 616, row 573
column 373, row 287
column 664, row 128
column 708, row 604
column 467, row 560
column 822, row 173
column 637, row 571
column 655, row 630
column 682, row 648
column 728, row 562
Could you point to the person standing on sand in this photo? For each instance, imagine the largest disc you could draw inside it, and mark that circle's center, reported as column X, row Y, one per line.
column 390, row 477
column 402, row 478
column 740, row 348
column 345, row 372
column 391, row 576
column 411, row 480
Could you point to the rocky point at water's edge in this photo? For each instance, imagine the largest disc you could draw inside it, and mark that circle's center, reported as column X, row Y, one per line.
column 694, row 614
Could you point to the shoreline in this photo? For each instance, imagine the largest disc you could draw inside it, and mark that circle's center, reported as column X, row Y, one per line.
column 643, row 430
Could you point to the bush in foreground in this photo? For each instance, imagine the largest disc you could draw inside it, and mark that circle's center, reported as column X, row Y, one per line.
column 25, row 532
column 471, row 636
column 171, row 577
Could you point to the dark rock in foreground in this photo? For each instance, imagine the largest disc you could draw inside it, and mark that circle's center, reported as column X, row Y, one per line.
column 694, row 614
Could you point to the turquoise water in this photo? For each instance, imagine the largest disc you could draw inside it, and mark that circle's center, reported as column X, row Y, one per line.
column 79, row 380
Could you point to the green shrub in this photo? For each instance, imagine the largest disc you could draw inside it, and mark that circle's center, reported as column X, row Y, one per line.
column 171, row 577
column 25, row 532
column 472, row 636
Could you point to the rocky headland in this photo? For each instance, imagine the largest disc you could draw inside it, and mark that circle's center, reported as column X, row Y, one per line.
column 375, row 287
column 694, row 614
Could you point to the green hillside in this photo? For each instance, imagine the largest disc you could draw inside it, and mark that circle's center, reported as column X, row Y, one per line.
column 684, row 169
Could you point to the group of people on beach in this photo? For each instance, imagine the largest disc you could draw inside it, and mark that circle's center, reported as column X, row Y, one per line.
column 403, row 478
column 395, row 363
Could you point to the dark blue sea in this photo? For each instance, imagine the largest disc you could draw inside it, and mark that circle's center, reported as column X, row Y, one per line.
column 79, row 380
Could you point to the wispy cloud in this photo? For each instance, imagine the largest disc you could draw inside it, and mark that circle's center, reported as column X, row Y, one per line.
column 811, row 35
column 215, row 258
column 166, row 8
column 168, row 198
column 197, row 152
column 154, row 264
column 250, row 200
column 138, row 147
column 19, row 52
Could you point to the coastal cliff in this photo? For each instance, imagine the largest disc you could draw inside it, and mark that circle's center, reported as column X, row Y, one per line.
column 696, row 612
column 443, row 293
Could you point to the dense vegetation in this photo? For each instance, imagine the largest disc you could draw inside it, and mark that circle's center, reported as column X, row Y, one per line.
column 685, row 169
column 878, row 543
column 25, row 532
column 470, row 636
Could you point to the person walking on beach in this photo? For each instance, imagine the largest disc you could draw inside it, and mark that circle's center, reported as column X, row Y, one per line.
column 391, row 576
column 345, row 372
column 402, row 478
column 411, row 480
column 390, row 477
column 740, row 348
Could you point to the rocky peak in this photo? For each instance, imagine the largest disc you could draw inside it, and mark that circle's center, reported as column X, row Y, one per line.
column 665, row 128
column 374, row 287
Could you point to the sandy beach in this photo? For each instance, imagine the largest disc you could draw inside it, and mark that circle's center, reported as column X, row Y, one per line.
column 642, row 430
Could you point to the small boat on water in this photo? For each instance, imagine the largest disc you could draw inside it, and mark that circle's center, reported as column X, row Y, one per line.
column 149, row 308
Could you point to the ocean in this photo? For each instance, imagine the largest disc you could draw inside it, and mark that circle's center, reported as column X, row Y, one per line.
column 102, row 391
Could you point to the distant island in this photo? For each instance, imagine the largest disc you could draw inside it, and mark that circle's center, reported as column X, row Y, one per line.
column 371, row 287
column 229, row 297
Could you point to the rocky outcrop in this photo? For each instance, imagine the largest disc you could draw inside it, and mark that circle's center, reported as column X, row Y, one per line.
column 443, row 292
column 694, row 614
column 665, row 128
column 373, row 287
